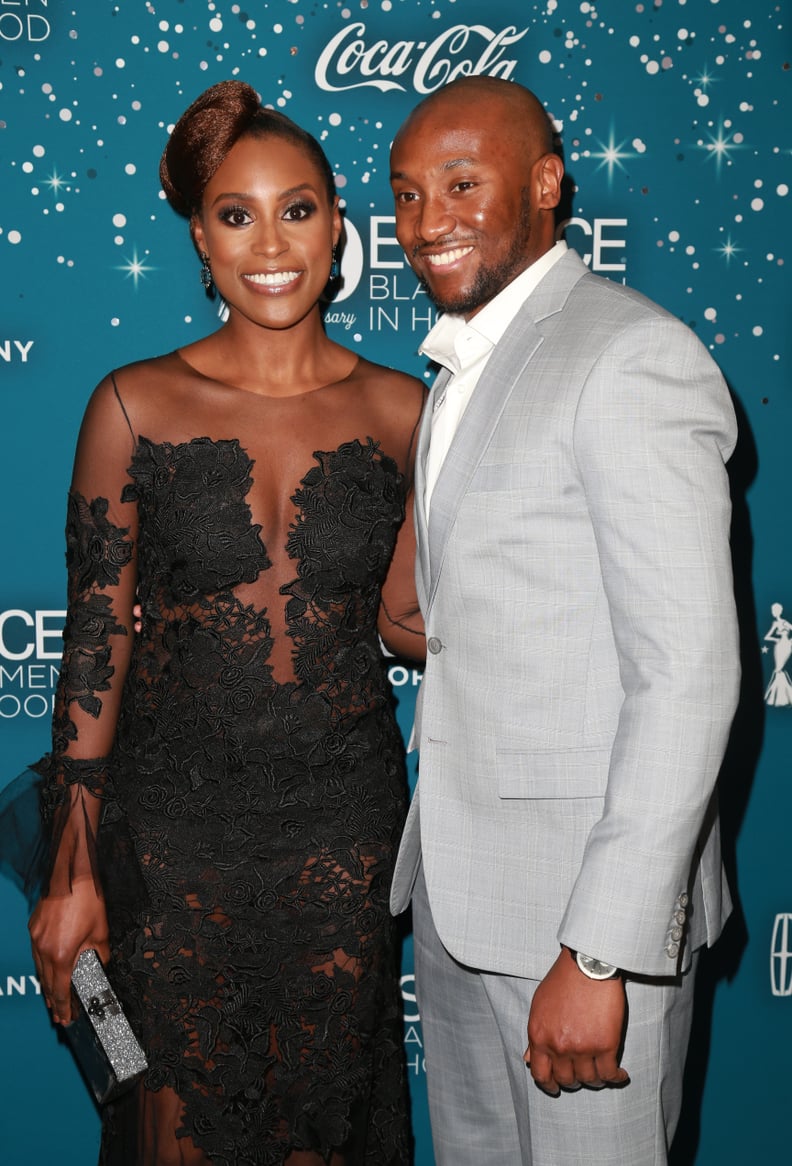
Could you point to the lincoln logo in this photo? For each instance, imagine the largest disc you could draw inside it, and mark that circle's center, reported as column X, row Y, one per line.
column 781, row 956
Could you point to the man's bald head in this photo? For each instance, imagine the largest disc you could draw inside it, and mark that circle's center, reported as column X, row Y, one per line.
column 521, row 111
column 476, row 181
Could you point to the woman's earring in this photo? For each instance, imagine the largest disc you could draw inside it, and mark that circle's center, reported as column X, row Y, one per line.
column 206, row 273
column 335, row 267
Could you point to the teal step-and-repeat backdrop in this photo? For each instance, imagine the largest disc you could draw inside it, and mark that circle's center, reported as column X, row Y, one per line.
column 677, row 130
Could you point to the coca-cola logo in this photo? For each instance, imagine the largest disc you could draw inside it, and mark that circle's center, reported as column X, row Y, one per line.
column 349, row 62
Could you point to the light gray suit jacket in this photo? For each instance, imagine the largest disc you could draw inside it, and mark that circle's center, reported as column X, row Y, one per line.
column 582, row 666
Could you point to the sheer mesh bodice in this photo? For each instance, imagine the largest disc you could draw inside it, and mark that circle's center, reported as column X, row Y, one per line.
column 243, row 754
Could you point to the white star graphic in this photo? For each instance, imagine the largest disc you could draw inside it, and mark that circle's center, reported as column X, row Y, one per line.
column 54, row 182
column 705, row 78
column 728, row 249
column 135, row 268
column 719, row 147
column 611, row 155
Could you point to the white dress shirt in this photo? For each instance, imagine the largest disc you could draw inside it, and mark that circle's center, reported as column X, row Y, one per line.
column 464, row 347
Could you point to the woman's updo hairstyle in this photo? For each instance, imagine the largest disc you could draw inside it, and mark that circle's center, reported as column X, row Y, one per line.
column 206, row 132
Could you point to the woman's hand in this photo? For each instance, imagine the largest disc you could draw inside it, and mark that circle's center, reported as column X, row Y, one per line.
column 60, row 929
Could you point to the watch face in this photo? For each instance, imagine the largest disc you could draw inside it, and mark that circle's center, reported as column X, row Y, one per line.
column 595, row 969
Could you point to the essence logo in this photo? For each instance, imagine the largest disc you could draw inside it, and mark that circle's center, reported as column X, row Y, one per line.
column 21, row 20
column 30, row 643
column 781, row 956
column 27, row 633
column 601, row 242
column 347, row 62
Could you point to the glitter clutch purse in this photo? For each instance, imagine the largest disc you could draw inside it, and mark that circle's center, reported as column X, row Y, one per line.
column 101, row 1039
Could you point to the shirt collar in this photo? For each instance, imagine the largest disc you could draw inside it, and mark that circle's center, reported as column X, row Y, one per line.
column 457, row 343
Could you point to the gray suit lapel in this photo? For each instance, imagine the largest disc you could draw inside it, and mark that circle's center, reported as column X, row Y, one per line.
column 519, row 344
column 422, row 453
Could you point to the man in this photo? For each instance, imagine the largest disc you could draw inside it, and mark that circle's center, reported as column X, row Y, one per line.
column 562, row 849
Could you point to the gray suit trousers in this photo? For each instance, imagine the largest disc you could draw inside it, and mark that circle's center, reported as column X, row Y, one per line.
column 484, row 1106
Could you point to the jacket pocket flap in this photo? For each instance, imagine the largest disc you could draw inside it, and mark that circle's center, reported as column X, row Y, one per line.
column 569, row 773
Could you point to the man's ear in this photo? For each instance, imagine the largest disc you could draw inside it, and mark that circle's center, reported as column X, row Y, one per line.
column 549, row 175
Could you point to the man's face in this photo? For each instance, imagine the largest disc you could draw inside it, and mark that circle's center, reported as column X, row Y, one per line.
column 463, row 211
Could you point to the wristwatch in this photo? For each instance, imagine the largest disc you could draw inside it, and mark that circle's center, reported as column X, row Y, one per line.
column 595, row 969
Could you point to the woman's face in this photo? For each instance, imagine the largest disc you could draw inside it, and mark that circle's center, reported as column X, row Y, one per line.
column 269, row 231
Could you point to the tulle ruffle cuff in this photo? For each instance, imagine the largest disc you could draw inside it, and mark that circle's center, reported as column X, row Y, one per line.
column 59, row 773
column 24, row 848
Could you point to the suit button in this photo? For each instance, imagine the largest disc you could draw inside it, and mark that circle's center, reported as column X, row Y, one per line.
column 680, row 917
column 434, row 645
column 672, row 950
column 683, row 899
column 676, row 933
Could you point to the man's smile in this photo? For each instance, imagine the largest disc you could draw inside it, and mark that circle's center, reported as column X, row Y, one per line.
column 445, row 258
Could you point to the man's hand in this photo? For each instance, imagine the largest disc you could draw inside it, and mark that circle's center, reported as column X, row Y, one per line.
column 575, row 1029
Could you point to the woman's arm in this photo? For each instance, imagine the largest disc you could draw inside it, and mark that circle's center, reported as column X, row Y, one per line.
column 100, row 557
column 400, row 623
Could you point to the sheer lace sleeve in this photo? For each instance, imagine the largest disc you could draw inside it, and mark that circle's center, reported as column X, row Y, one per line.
column 100, row 560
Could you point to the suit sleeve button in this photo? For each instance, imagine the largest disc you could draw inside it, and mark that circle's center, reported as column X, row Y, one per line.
column 434, row 645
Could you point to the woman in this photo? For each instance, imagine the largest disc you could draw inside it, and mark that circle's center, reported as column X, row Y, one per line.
column 226, row 788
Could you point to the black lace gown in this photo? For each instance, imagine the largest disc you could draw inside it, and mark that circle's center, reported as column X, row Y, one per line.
column 245, row 756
